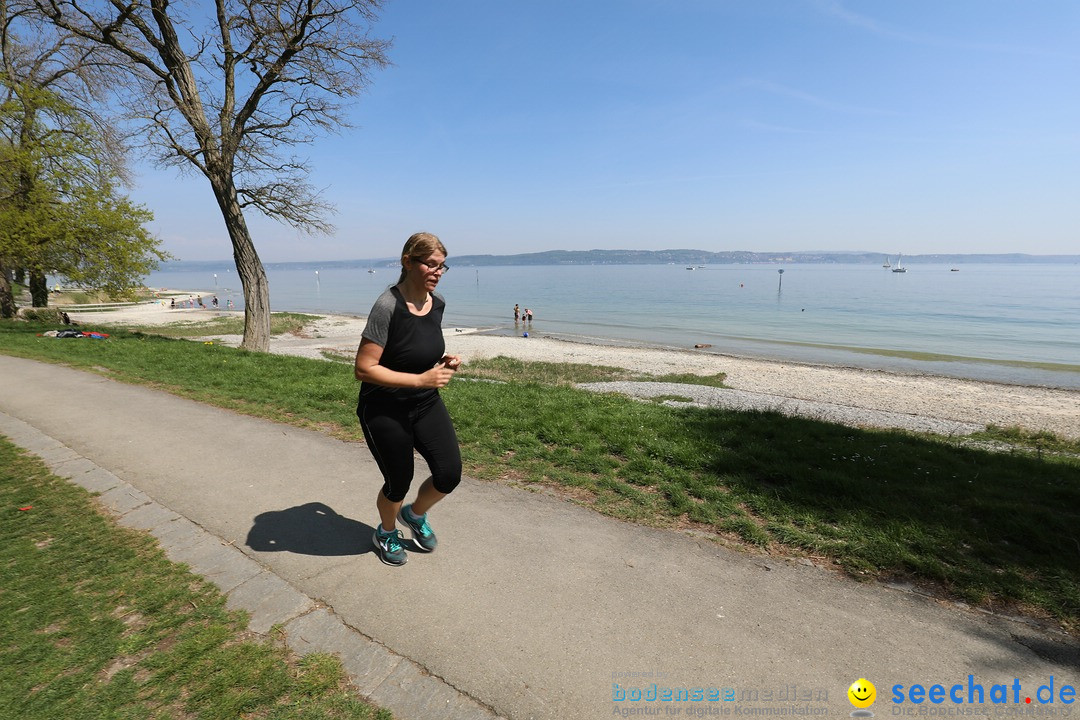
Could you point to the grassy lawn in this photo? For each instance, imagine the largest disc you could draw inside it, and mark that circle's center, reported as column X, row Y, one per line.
column 996, row 528
column 280, row 323
column 95, row 622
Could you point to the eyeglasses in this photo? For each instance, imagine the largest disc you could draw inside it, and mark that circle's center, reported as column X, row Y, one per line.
column 437, row 268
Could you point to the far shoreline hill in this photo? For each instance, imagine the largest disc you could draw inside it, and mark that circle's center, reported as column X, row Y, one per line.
column 659, row 257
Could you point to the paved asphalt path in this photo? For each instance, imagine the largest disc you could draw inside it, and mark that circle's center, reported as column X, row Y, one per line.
column 531, row 607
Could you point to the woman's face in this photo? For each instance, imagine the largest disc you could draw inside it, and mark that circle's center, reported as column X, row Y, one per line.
column 427, row 270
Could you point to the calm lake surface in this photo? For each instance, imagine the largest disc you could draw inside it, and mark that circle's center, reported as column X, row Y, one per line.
column 1008, row 323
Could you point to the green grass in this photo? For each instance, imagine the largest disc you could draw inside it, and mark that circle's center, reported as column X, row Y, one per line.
column 671, row 398
column 1038, row 441
column 280, row 323
column 95, row 622
column 996, row 528
column 77, row 297
column 72, row 296
column 503, row 369
column 938, row 357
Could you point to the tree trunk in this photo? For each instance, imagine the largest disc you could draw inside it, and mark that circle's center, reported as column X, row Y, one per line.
column 20, row 276
column 7, row 299
column 256, row 293
column 248, row 267
column 39, row 289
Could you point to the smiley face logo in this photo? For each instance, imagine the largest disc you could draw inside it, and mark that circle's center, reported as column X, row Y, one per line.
column 862, row 693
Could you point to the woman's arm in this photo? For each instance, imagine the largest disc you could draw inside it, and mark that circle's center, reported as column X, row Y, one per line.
column 368, row 369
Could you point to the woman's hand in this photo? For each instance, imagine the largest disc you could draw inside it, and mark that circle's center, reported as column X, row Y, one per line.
column 440, row 375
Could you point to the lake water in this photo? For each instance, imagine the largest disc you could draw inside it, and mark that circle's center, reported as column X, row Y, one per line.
column 1009, row 323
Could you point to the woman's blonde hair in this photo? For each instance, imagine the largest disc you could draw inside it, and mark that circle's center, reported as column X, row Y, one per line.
column 419, row 246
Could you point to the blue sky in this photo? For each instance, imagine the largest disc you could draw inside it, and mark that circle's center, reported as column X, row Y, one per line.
column 509, row 126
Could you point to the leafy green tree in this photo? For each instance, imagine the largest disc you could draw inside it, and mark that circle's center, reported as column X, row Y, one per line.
column 108, row 246
column 228, row 92
column 54, row 147
column 60, row 213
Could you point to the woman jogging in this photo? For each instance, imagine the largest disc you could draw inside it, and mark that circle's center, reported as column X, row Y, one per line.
column 402, row 363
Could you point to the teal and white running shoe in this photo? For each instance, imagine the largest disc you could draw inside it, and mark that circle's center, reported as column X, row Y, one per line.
column 389, row 546
column 422, row 534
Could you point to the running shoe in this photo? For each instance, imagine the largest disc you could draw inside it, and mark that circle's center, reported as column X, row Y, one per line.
column 389, row 546
column 422, row 534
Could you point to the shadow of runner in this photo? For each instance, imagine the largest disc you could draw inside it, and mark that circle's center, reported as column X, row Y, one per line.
column 310, row 529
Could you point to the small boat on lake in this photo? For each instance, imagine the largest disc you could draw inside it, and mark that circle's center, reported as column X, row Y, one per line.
column 886, row 265
column 899, row 267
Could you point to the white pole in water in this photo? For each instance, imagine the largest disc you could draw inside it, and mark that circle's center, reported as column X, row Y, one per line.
column 781, row 285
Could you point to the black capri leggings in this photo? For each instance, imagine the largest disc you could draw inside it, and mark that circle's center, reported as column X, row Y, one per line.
column 393, row 429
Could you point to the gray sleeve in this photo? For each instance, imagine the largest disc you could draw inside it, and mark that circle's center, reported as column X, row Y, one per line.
column 377, row 329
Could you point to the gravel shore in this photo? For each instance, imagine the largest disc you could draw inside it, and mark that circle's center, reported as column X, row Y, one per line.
column 847, row 395
column 678, row 394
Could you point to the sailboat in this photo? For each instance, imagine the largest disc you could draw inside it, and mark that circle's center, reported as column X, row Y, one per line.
column 886, row 265
column 899, row 267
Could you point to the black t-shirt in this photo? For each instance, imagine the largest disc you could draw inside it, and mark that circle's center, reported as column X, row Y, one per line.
column 410, row 343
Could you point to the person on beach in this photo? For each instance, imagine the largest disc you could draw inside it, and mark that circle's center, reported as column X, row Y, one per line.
column 402, row 363
column 517, row 312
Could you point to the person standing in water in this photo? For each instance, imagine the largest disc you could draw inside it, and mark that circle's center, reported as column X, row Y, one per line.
column 402, row 363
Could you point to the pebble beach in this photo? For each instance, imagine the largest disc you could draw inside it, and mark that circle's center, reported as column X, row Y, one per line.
column 851, row 396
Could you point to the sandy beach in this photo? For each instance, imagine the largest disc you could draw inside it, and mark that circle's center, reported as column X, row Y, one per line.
column 916, row 396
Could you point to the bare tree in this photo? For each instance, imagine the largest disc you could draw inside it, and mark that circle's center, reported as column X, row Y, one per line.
column 225, row 94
